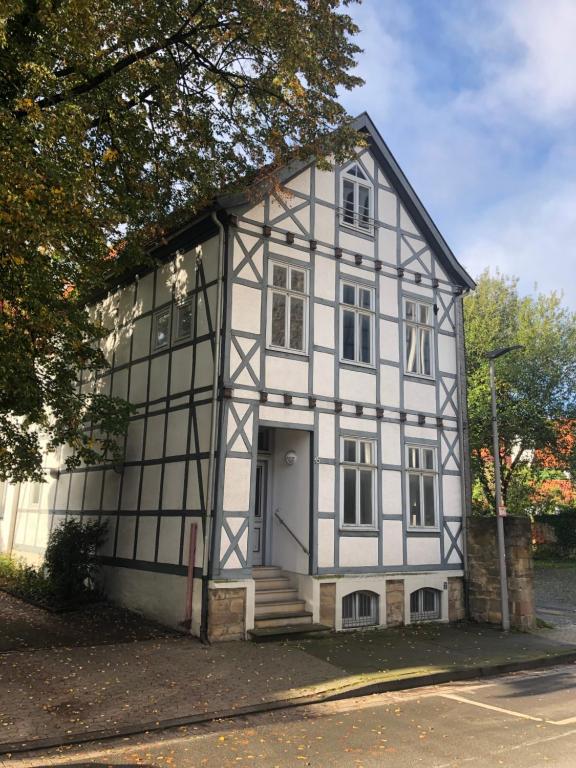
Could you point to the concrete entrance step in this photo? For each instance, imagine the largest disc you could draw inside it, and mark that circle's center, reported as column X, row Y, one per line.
column 288, row 632
column 266, row 571
column 275, row 595
column 282, row 608
column 282, row 619
column 277, row 582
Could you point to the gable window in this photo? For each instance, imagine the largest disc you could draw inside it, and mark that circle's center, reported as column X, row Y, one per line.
column 161, row 332
column 356, row 199
column 418, row 329
column 287, row 307
column 357, row 324
column 184, row 319
column 358, row 474
column 421, row 486
column 359, row 609
column 425, row 604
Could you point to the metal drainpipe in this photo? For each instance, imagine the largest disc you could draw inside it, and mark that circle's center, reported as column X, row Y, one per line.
column 213, row 429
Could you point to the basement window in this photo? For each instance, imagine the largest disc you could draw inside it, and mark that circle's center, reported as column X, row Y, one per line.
column 425, row 605
column 360, row 609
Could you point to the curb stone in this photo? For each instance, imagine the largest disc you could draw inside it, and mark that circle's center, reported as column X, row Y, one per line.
column 350, row 690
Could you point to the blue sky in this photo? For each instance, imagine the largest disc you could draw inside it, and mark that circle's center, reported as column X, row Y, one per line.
column 477, row 101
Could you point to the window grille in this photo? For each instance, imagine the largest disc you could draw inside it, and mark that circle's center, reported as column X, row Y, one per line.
column 359, row 609
column 425, row 604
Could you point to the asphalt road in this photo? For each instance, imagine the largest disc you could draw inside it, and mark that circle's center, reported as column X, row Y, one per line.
column 526, row 719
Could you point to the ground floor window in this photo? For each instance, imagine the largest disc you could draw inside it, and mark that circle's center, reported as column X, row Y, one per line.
column 425, row 604
column 360, row 609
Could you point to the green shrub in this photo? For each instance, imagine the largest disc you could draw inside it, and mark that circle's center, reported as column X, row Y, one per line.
column 70, row 559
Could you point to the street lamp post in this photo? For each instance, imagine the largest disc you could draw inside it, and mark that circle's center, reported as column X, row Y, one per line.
column 493, row 355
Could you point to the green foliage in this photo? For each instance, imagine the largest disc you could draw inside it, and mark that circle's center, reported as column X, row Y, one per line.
column 117, row 120
column 25, row 581
column 536, row 388
column 564, row 525
column 70, row 559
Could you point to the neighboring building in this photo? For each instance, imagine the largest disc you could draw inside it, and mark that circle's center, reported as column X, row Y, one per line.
column 337, row 459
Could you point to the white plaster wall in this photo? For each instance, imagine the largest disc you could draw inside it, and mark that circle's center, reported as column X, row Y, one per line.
column 358, row 551
column 423, row 551
column 358, row 386
column 392, row 551
column 325, row 543
column 419, row 396
column 286, row 374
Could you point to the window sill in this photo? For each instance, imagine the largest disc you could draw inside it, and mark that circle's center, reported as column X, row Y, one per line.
column 359, row 531
column 282, row 351
column 423, row 529
column 351, row 229
column 355, row 364
column 420, row 377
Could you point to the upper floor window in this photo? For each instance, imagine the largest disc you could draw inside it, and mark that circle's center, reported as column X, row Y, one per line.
column 358, row 481
column 418, row 324
column 357, row 324
column 35, row 494
column 287, row 307
column 422, row 486
column 356, row 199
column 161, row 330
column 184, row 319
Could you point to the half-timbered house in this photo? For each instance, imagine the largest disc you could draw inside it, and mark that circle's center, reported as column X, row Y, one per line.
column 297, row 457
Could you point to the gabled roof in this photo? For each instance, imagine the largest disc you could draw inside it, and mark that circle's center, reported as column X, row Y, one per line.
column 412, row 202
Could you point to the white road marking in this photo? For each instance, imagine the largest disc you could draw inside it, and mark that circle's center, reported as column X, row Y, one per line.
column 463, row 700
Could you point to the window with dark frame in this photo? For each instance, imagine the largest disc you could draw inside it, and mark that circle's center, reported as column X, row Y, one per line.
column 288, row 307
column 425, row 604
column 357, row 323
column 161, row 332
column 356, row 199
column 421, row 471
column 184, row 321
column 358, row 470
column 360, row 609
column 418, row 330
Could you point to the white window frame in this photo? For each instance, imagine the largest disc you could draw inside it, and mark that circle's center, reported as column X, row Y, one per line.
column 422, row 472
column 356, row 621
column 418, row 326
column 288, row 293
column 358, row 311
column 421, row 614
column 373, row 526
column 345, row 175
column 35, row 484
column 157, row 315
column 178, row 308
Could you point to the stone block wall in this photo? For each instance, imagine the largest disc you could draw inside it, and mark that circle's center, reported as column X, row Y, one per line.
column 484, row 574
column 328, row 605
column 394, row 602
column 456, row 607
column 226, row 614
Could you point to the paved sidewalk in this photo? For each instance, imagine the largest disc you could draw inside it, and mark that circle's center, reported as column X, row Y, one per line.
column 82, row 692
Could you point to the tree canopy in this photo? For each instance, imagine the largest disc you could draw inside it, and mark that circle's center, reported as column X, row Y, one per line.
column 117, row 120
column 536, row 394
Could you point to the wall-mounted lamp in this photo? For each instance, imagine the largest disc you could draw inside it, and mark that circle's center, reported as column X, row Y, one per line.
column 291, row 458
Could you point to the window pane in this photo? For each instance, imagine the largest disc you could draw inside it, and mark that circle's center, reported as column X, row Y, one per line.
column 411, row 356
column 414, row 602
column 364, row 207
column 348, row 341
column 414, row 489
column 365, row 298
column 279, row 276
column 364, row 606
column 297, row 280
column 348, row 202
column 366, row 453
column 350, row 496
column 348, row 607
column 354, row 170
column 258, row 493
column 350, row 450
column 410, row 310
column 424, row 310
column 184, row 321
column 425, row 365
column 162, row 329
column 429, row 516
column 429, row 601
column 296, row 323
column 428, row 456
column 35, row 493
column 365, row 343
column 279, row 319
column 366, row 497
column 413, row 458
column 348, row 294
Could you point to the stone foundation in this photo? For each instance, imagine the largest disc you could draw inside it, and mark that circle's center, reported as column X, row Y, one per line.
column 226, row 614
column 484, row 574
column 395, row 603
column 328, row 605
column 456, row 607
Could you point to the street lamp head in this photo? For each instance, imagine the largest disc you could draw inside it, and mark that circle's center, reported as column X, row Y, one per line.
column 499, row 351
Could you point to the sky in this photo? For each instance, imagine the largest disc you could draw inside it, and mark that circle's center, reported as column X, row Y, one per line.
column 477, row 101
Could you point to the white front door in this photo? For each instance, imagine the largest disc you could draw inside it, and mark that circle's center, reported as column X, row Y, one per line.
column 260, row 508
